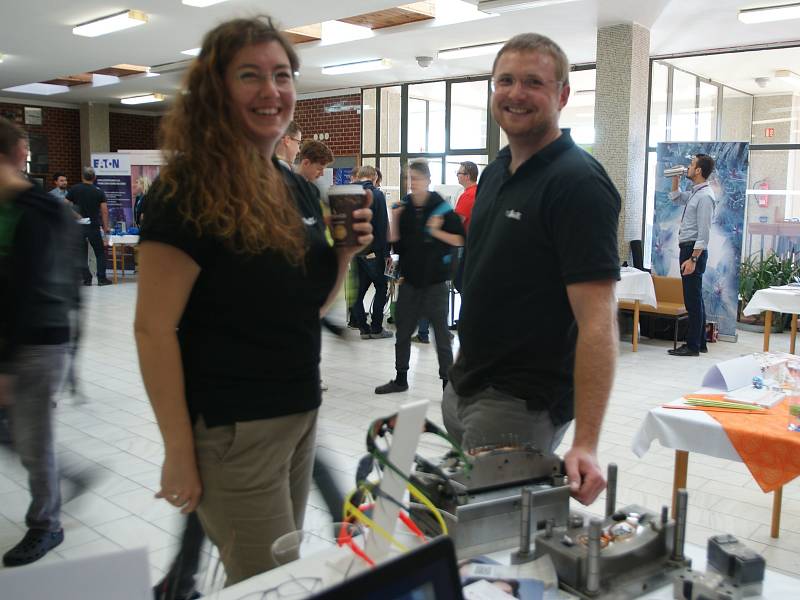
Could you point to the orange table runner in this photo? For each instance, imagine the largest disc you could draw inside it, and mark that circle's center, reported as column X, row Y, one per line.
column 770, row 451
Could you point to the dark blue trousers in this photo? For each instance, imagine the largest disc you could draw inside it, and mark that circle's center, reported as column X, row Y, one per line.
column 693, row 297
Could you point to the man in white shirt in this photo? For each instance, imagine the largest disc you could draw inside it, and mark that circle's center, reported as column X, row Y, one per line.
column 693, row 242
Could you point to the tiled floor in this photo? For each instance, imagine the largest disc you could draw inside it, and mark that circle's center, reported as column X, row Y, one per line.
column 113, row 435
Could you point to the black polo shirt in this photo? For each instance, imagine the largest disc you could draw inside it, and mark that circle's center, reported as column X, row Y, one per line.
column 250, row 333
column 551, row 224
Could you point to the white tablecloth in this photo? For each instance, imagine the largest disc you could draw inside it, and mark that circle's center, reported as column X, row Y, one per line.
column 115, row 240
column 689, row 430
column 784, row 301
column 636, row 285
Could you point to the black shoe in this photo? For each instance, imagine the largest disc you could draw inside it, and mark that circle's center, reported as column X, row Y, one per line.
column 161, row 592
column 104, row 282
column 683, row 351
column 33, row 546
column 703, row 349
column 420, row 340
column 391, row 387
column 87, row 282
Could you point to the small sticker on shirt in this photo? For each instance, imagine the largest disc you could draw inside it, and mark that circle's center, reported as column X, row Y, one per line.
column 310, row 221
column 514, row 214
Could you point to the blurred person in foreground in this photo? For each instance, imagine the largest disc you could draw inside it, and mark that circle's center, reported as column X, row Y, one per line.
column 38, row 286
column 235, row 273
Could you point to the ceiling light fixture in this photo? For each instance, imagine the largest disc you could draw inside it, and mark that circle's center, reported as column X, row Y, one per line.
column 40, row 89
column 116, row 22
column 191, row 52
column 468, row 51
column 788, row 76
column 338, row 32
column 504, row 6
column 376, row 64
column 2, row 56
column 202, row 3
column 767, row 14
column 146, row 99
column 99, row 80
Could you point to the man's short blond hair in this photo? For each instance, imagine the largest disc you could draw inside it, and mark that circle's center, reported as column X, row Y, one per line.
column 367, row 172
column 534, row 42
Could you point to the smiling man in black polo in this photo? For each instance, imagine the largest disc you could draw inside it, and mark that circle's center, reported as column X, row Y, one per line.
column 542, row 253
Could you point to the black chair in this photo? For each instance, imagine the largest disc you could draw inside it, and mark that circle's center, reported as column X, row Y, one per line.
column 637, row 255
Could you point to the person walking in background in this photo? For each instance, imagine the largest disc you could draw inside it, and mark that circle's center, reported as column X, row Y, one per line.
column 90, row 202
column 371, row 263
column 234, row 257
column 37, row 290
column 424, row 230
column 60, row 185
column 693, row 238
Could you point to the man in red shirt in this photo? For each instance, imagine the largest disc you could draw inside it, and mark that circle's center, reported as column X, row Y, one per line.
column 468, row 179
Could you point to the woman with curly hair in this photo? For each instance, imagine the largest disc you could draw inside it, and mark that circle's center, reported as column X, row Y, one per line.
column 235, row 273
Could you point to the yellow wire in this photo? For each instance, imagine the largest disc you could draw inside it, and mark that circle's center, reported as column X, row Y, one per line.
column 350, row 510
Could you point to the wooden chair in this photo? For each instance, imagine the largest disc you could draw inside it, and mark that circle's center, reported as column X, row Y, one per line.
column 669, row 300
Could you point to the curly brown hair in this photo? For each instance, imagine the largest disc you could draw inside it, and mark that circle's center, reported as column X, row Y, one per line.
column 224, row 186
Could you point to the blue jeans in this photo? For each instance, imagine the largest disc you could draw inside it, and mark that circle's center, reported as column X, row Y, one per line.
column 693, row 298
column 37, row 373
column 424, row 328
column 370, row 272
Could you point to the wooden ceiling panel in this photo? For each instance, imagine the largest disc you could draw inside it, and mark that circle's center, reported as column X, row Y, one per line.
column 392, row 17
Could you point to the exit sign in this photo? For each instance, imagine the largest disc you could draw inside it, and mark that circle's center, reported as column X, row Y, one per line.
column 769, row 132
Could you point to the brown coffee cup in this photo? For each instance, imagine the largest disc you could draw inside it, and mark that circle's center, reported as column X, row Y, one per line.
column 344, row 199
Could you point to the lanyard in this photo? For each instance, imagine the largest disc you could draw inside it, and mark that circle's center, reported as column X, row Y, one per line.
column 705, row 185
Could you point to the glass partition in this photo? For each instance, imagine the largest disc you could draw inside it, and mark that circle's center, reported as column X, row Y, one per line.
column 426, row 113
column 390, row 131
column 468, row 119
column 368, row 118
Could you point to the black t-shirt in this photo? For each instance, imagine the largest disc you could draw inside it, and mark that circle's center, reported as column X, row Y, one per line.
column 87, row 199
column 424, row 260
column 250, row 332
column 551, row 224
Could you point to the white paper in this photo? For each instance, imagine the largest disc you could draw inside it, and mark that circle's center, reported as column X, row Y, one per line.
column 483, row 590
column 732, row 374
column 751, row 395
column 119, row 575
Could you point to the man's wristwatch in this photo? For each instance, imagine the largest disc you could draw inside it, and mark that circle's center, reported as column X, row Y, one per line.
column 693, row 258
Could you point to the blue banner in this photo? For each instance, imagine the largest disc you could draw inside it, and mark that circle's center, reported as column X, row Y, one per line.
column 729, row 182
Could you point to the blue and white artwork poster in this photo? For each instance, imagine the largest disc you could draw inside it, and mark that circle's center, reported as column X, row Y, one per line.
column 729, row 182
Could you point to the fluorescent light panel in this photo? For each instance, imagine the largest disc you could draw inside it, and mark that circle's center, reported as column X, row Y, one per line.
column 146, row 99
column 377, row 64
column 338, row 32
column 41, row 89
column 116, row 22
column 467, row 51
column 788, row 76
column 504, row 6
column 202, row 3
column 99, row 80
column 191, row 52
column 768, row 14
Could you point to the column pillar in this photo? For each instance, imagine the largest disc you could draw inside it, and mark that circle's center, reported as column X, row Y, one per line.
column 620, row 119
column 94, row 130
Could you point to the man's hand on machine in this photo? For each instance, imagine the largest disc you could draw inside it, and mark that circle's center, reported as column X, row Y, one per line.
column 586, row 480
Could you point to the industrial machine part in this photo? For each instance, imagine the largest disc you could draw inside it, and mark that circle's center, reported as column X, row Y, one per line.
column 734, row 572
column 629, row 552
column 486, row 496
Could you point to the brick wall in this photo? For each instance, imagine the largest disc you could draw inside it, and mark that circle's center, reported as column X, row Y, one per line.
column 62, row 126
column 343, row 126
column 133, row 132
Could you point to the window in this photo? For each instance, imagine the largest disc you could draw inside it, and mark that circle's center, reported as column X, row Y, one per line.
column 578, row 114
column 426, row 112
column 368, row 115
column 682, row 127
column 390, row 120
column 468, row 119
column 707, row 112
column 658, row 103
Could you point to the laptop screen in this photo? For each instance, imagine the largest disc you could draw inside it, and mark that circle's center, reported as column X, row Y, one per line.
column 425, row 573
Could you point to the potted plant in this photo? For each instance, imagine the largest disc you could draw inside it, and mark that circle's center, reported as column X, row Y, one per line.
column 757, row 274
